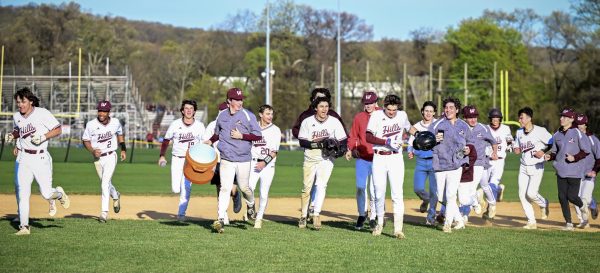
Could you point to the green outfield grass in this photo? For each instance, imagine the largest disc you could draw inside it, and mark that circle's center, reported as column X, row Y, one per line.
column 79, row 176
column 84, row 245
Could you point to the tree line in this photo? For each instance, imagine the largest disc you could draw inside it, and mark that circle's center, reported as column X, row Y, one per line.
column 553, row 61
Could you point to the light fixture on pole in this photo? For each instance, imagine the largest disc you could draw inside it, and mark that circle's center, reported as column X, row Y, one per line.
column 269, row 80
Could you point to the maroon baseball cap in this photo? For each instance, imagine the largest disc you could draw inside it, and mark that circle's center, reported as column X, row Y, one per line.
column 104, row 106
column 581, row 119
column 568, row 112
column 235, row 93
column 470, row 111
column 369, row 97
column 222, row 106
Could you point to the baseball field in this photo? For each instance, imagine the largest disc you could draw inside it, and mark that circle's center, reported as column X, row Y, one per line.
column 144, row 236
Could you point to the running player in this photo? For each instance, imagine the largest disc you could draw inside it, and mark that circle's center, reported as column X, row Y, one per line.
column 184, row 133
column 385, row 130
column 235, row 130
column 424, row 168
column 35, row 125
column 568, row 150
column 264, row 153
column 100, row 138
column 591, row 168
column 531, row 142
column 448, row 157
column 314, row 132
column 359, row 148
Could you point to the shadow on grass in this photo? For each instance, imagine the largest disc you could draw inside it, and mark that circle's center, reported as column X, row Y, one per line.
column 79, row 215
column 33, row 222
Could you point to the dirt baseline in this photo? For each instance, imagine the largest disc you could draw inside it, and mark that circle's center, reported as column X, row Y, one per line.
column 509, row 214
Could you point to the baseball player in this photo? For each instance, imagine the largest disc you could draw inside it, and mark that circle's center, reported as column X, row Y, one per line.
column 317, row 92
column 448, row 157
column 264, row 154
column 531, row 141
column 315, row 134
column 385, row 130
column 480, row 138
column 504, row 139
column 424, row 168
column 591, row 167
column 359, row 148
column 35, row 125
column 184, row 133
column 568, row 150
column 235, row 130
column 216, row 180
column 100, row 138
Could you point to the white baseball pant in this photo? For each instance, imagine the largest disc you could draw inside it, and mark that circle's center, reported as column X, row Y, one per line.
column 586, row 188
column 447, row 182
column 530, row 178
column 467, row 191
column 496, row 170
column 319, row 172
column 105, row 168
column 179, row 184
column 38, row 166
column 389, row 167
column 266, row 178
column 229, row 171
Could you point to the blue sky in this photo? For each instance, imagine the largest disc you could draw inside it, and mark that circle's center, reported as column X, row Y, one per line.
column 389, row 18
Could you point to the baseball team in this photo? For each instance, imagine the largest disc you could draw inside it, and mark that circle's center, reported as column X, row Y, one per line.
column 454, row 155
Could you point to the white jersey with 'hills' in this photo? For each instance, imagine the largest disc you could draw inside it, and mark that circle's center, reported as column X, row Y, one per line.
column 103, row 137
column 271, row 138
column 314, row 130
column 184, row 136
column 39, row 122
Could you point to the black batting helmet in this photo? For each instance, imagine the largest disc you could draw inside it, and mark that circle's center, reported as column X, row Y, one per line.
column 495, row 113
column 424, row 141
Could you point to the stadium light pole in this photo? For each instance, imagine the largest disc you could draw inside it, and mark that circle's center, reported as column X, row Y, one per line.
column 339, row 65
column 268, row 61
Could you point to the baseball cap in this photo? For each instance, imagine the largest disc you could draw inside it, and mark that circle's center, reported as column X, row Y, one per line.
column 222, row 106
column 369, row 97
column 581, row 119
column 104, row 106
column 568, row 112
column 470, row 111
column 235, row 93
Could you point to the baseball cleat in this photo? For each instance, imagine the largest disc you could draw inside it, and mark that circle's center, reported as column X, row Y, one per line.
column 377, row 230
column 64, row 200
column 117, row 203
column 569, row 227
column 477, row 209
column 530, row 226
column 460, row 225
column 302, row 222
column 594, row 213
column 372, row 224
column 501, row 188
column 399, row 235
column 218, row 226
column 52, row 209
column 545, row 210
column 491, row 211
column 103, row 217
column 24, row 230
column 258, row 223
column 237, row 202
column 447, row 228
column 251, row 212
column 424, row 205
column 16, row 219
column 317, row 222
column 181, row 218
column 430, row 221
column 583, row 225
column 440, row 218
column 311, row 211
column 360, row 222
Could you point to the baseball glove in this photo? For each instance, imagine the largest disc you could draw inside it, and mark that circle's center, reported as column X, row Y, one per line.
column 333, row 148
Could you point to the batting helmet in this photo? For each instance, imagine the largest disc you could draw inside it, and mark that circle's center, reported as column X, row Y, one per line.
column 495, row 113
column 424, row 141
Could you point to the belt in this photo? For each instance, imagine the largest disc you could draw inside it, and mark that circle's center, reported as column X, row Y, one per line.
column 258, row 160
column 426, row 158
column 105, row 154
column 179, row 156
column 33, row 151
column 386, row 152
